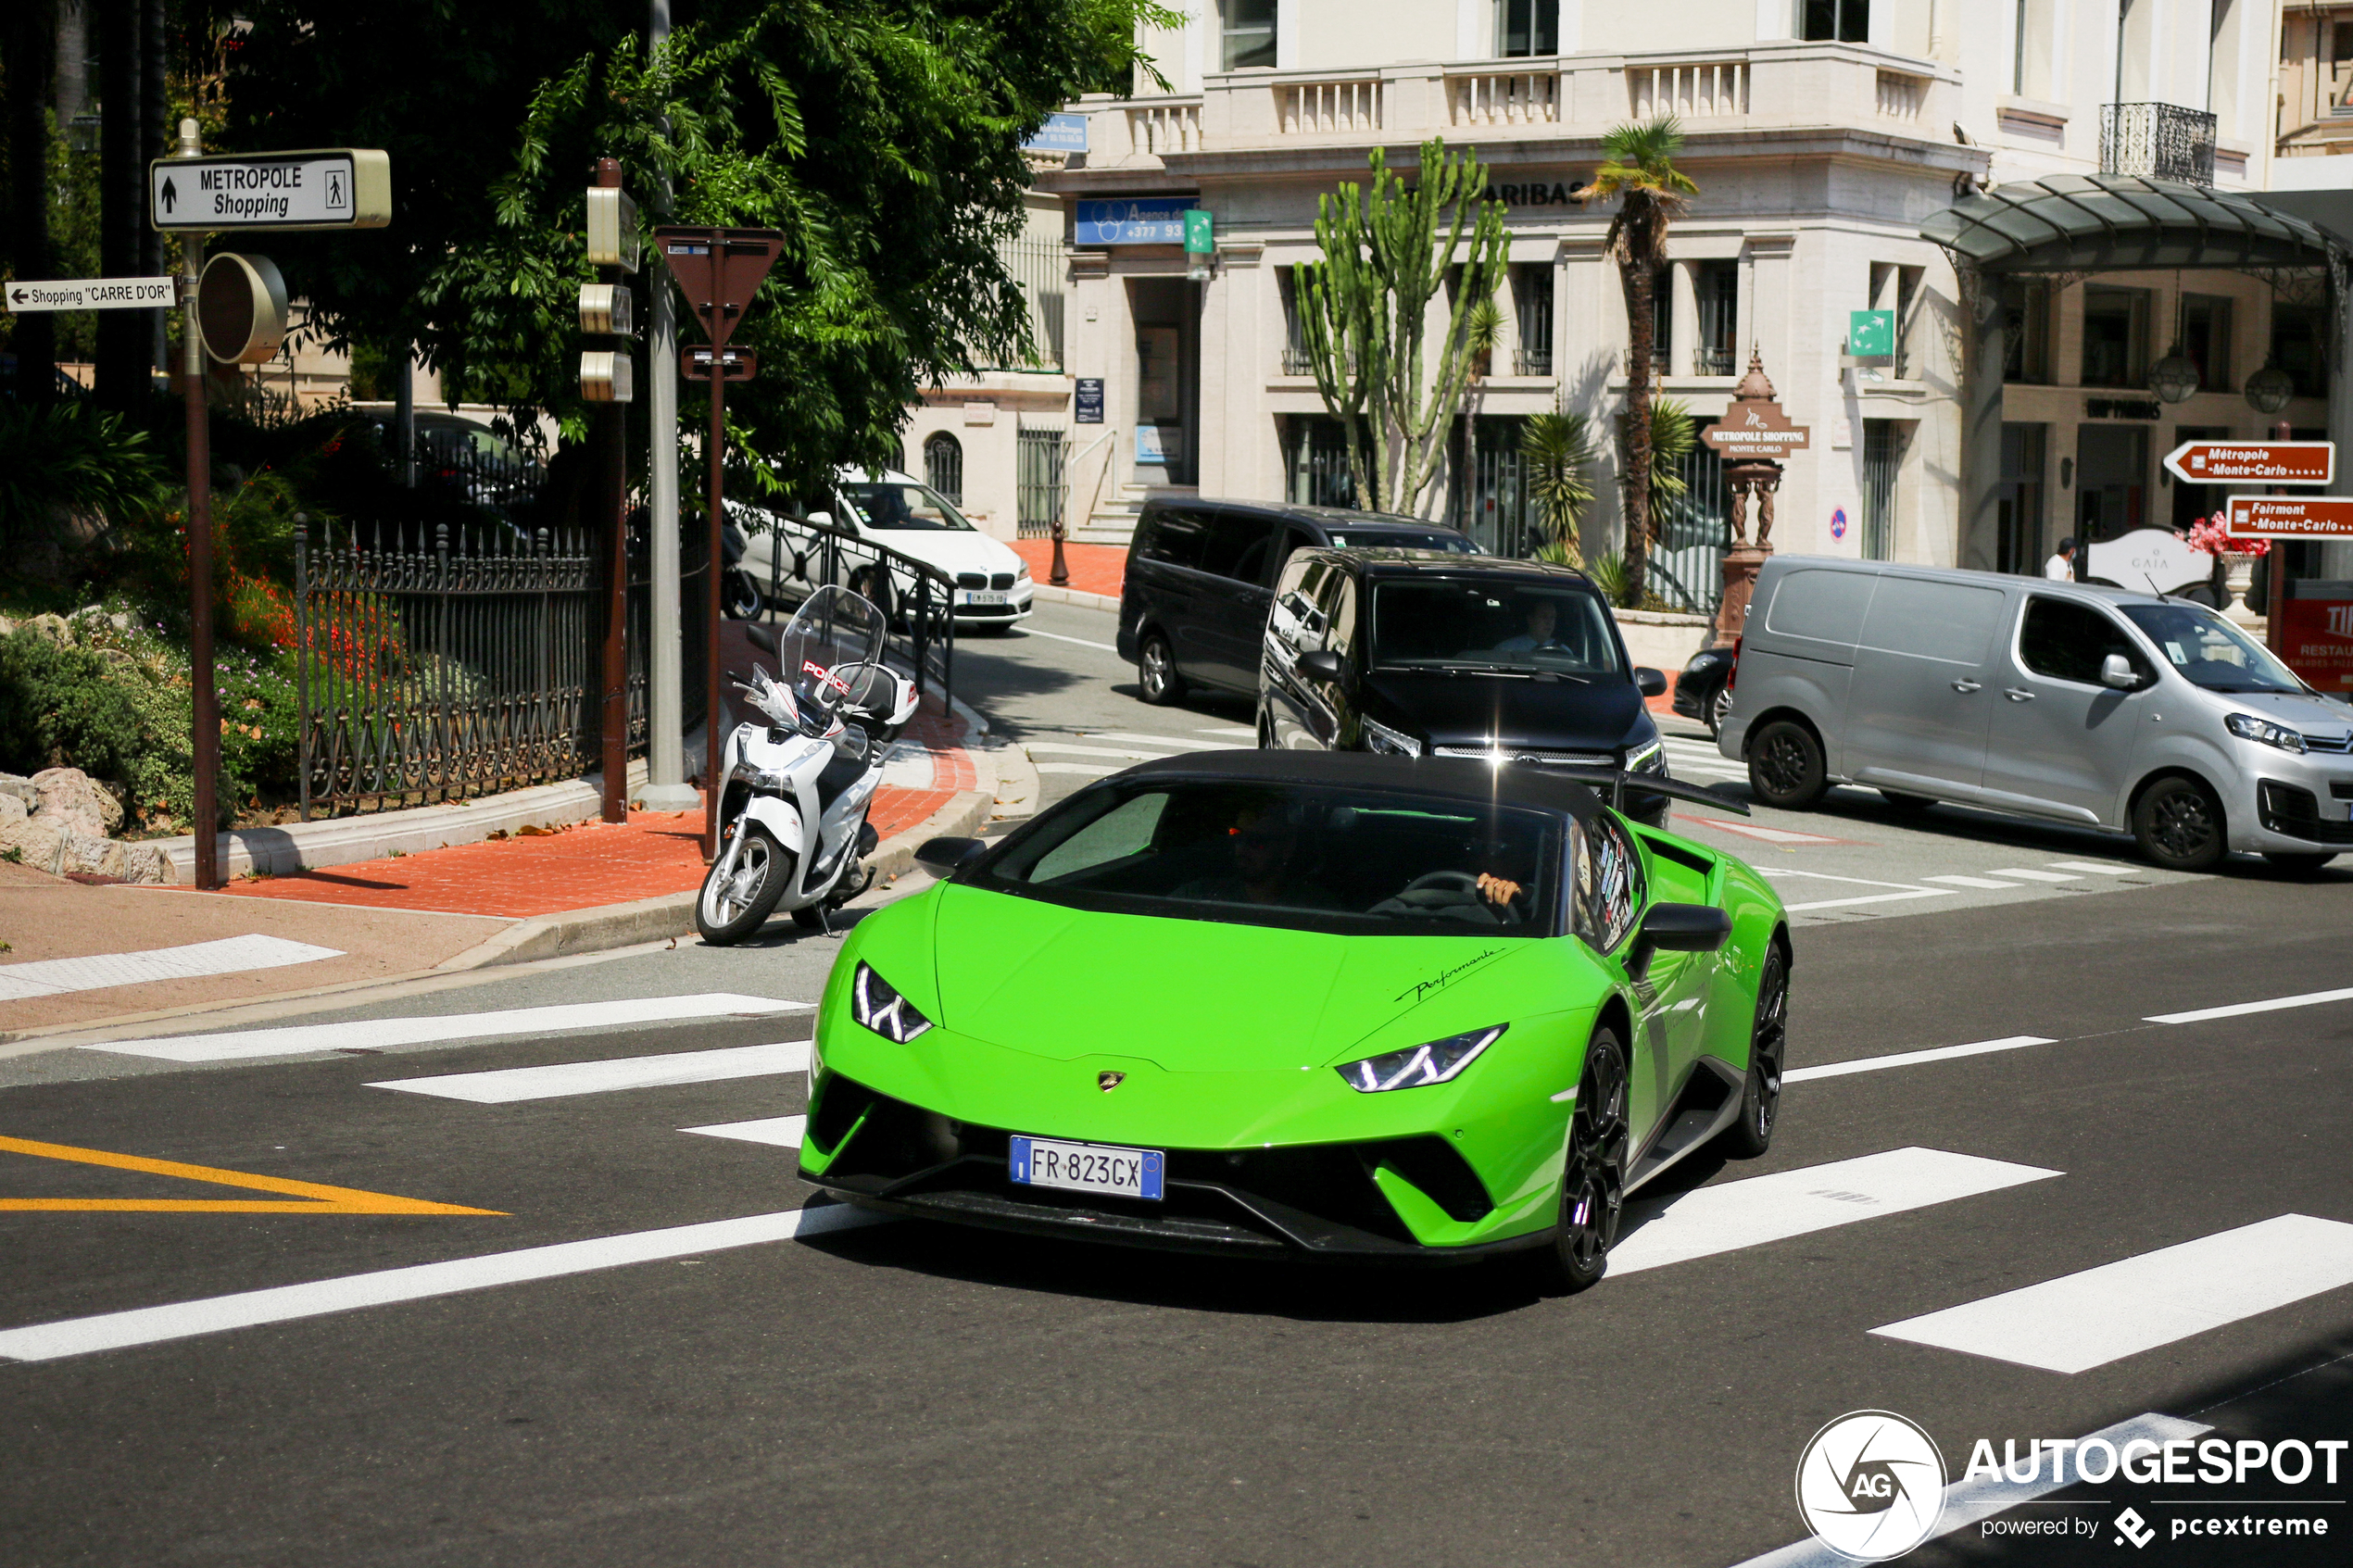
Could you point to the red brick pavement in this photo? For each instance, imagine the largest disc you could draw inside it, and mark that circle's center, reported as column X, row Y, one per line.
column 1094, row 568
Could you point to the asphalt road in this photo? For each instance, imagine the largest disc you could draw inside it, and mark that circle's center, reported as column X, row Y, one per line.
column 785, row 1388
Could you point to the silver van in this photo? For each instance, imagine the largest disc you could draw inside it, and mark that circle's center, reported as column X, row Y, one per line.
column 2059, row 700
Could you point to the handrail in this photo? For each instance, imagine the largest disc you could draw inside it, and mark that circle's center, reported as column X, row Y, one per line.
column 926, row 620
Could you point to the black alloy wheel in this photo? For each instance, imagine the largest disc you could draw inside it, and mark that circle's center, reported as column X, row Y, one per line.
column 732, row 906
column 2179, row 825
column 1719, row 709
column 1592, row 1177
column 1157, row 671
column 1768, row 1049
column 1785, row 766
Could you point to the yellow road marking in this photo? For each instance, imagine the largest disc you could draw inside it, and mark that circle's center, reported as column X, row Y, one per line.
column 319, row 1197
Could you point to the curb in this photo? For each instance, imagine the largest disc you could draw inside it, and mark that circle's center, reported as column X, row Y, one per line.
column 672, row 914
column 1048, row 594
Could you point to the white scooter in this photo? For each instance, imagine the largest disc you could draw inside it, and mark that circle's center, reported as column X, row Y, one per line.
column 794, row 790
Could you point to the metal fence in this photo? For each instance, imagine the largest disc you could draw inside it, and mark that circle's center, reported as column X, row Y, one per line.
column 1041, row 462
column 917, row 598
column 944, row 466
column 429, row 675
column 2161, row 141
column 1694, row 530
column 1498, row 514
column 1318, row 463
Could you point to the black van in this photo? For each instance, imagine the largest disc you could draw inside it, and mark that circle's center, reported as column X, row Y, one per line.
column 1200, row 575
column 1415, row 652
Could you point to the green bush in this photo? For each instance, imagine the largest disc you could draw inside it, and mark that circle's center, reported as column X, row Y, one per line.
column 70, row 458
column 59, row 709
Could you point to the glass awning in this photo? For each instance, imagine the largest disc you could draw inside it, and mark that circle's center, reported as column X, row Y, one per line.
column 2117, row 222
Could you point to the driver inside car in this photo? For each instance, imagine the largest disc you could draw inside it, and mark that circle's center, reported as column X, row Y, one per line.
column 1264, row 845
column 1542, row 618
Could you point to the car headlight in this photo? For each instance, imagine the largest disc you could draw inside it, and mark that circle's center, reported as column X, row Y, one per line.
column 2246, row 726
column 1410, row 1069
column 1021, row 572
column 1379, row 737
column 874, row 1003
column 1650, row 758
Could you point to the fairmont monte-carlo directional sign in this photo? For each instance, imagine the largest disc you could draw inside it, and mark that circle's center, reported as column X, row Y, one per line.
column 327, row 188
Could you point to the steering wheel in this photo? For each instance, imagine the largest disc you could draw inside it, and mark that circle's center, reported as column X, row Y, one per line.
column 1461, row 882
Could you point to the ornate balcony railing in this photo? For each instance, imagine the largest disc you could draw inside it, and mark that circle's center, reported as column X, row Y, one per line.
column 2161, row 141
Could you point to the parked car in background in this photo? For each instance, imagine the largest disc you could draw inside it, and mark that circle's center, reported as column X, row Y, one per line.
column 1201, row 576
column 1420, row 653
column 992, row 586
column 2064, row 701
column 1704, row 691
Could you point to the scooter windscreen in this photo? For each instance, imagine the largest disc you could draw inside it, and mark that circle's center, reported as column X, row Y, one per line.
column 832, row 651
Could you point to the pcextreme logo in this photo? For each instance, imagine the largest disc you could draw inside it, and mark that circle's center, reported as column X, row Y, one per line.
column 1871, row 1485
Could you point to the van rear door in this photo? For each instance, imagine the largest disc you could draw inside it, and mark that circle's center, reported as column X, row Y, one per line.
column 1922, row 695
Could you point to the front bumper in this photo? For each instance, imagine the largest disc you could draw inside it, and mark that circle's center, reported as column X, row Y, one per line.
column 1331, row 1202
column 2307, row 811
column 1016, row 609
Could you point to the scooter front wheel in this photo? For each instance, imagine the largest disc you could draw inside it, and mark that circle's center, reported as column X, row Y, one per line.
column 731, row 907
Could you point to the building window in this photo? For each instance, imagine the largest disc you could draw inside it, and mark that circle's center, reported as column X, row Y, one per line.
column 1663, row 320
column 1718, row 285
column 2205, row 338
column 2295, row 347
column 1248, row 35
column 1882, row 454
column 1318, row 451
column 1532, row 305
column 1528, row 26
column 944, row 466
column 2115, row 337
column 2026, row 337
column 2019, row 543
column 1838, row 22
column 1297, row 361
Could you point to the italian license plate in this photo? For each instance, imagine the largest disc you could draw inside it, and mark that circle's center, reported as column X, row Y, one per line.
column 990, row 597
column 1087, row 1167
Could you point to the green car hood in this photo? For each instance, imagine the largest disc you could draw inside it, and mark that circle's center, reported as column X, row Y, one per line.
column 1204, row 996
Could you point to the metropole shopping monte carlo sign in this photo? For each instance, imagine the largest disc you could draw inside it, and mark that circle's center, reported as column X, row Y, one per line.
column 1755, row 431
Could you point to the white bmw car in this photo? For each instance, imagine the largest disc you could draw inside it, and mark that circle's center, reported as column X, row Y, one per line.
column 903, row 514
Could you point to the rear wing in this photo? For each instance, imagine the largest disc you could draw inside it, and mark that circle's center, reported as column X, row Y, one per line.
column 1617, row 781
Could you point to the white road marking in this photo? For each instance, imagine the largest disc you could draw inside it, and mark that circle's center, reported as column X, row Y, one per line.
column 1759, row 831
column 1910, row 1059
column 2023, row 874
column 2098, row 868
column 1250, row 735
column 1088, row 769
column 1082, row 642
column 510, row 1085
column 285, row 1303
column 1970, row 1502
column 2123, row 1307
column 785, row 1131
column 2238, row 1010
column 2081, row 1321
column 376, row 1033
column 97, row 971
column 1905, row 889
column 1709, row 1219
column 1037, row 746
column 1173, row 742
column 1986, row 883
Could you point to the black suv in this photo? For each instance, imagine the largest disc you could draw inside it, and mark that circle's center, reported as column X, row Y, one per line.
column 1414, row 653
column 1199, row 578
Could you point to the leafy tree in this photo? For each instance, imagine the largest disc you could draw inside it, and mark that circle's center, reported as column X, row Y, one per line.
column 882, row 136
column 1557, row 449
column 1638, row 170
column 1364, row 310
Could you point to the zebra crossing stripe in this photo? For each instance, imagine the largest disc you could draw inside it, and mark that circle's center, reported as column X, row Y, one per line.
column 2082, row 1321
column 378, row 1034
column 784, row 1132
column 98, row 971
column 509, row 1086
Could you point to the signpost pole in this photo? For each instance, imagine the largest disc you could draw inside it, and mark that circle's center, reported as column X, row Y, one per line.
column 2275, row 595
column 714, row 445
column 205, row 701
column 666, row 786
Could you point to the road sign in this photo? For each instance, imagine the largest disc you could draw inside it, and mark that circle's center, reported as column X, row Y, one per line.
column 719, row 271
column 1090, row 401
column 735, row 364
column 2290, row 517
column 241, row 309
column 92, row 293
column 1755, row 430
column 326, row 188
column 2254, row 462
column 1061, row 134
column 1870, row 334
column 1199, row 232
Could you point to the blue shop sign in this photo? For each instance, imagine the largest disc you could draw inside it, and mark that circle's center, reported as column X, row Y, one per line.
column 1136, row 220
column 1061, row 134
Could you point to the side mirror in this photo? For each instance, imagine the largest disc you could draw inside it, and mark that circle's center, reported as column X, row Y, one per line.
column 1322, row 665
column 2117, row 671
column 1650, row 681
column 944, row 856
column 823, row 520
column 1677, row 928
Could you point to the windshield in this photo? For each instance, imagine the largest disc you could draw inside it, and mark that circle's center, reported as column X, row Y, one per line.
column 1488, row 623
column 1453, row 543
column 1291, row 855
column 901, row 504
column 2209, row 650
column 832, row 649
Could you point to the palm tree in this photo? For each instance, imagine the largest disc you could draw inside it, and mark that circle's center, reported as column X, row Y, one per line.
column 1640, row 171
column 1558, row 451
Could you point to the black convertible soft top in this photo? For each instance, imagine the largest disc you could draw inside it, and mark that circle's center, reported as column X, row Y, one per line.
column 1576, row 791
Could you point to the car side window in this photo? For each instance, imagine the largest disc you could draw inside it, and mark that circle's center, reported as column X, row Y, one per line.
column 1605, row 882
column 1338, row 603
column 2067, row 641
column 1237, row 546
column 1296, row 539
column 1176, row 538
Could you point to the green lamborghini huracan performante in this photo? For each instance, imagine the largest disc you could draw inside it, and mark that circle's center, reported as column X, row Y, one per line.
column 1307, row 1005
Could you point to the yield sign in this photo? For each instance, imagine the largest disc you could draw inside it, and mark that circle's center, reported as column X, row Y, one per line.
column 719, row 271
column 2254, row 462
